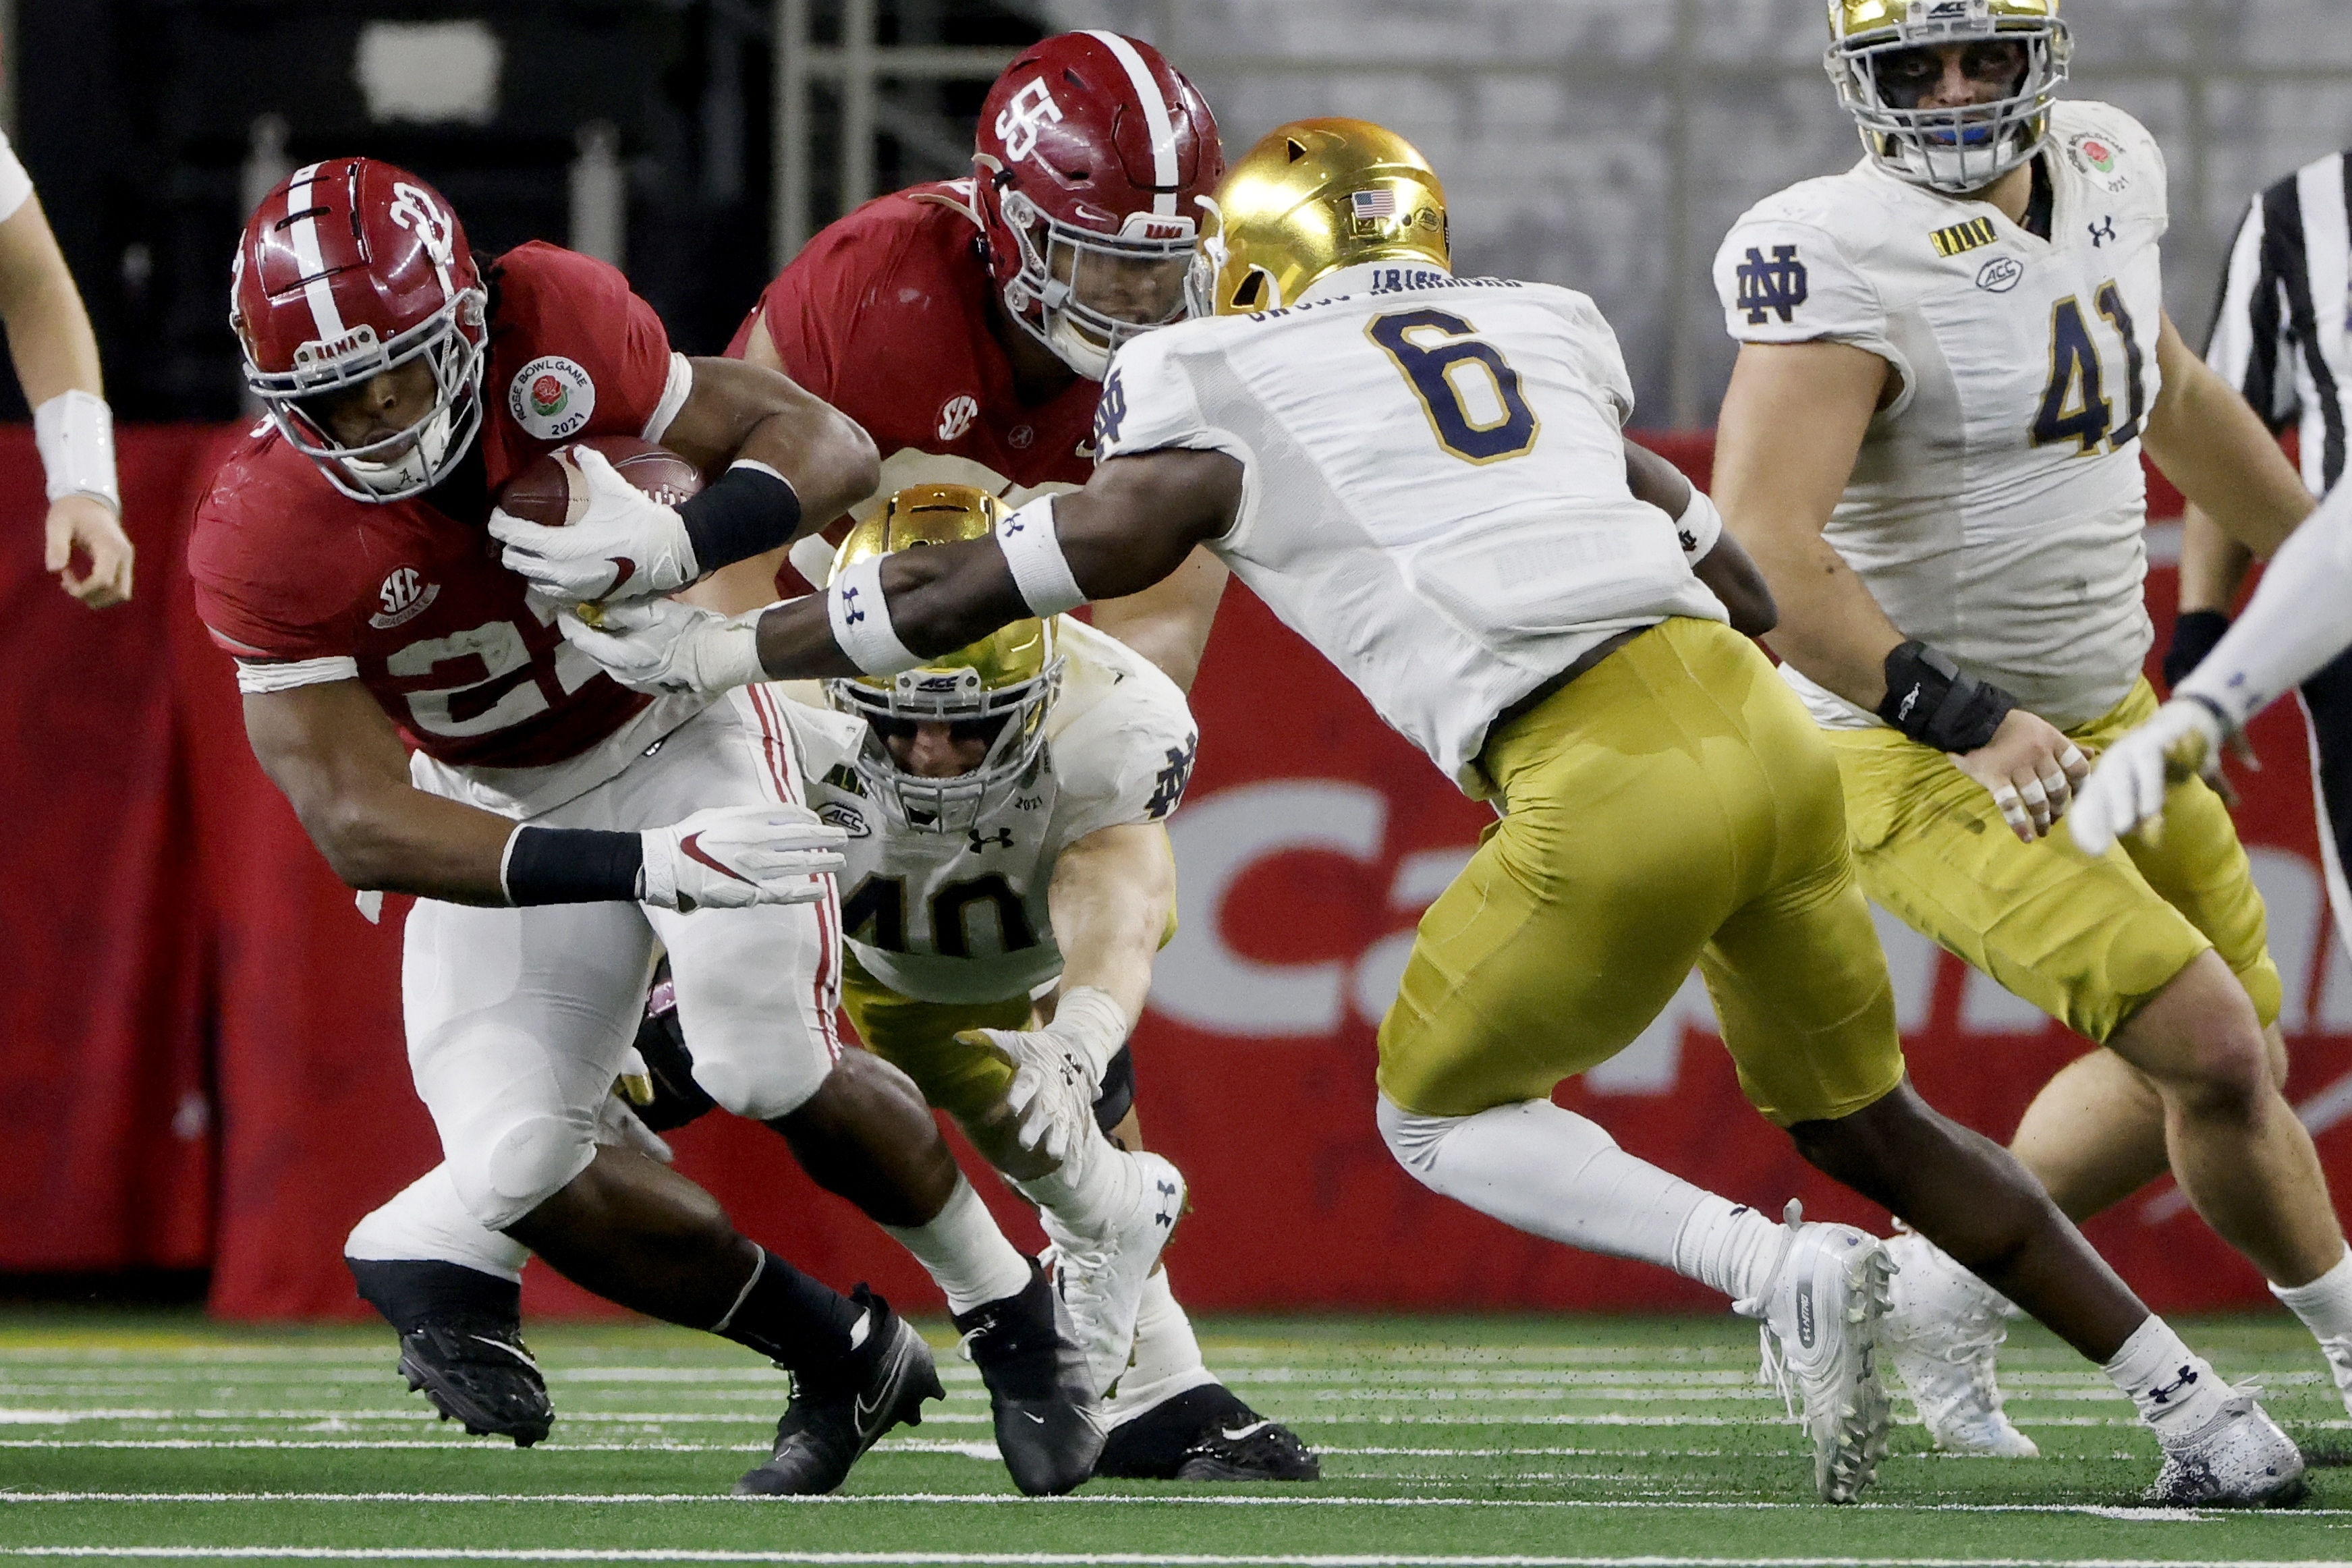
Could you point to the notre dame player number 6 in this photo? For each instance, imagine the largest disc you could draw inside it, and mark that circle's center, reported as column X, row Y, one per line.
column 1508, row 432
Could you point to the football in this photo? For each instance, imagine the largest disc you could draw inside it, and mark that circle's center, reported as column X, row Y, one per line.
column 548, row 490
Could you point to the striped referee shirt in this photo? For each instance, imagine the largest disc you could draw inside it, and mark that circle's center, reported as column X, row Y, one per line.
column 2282, row 334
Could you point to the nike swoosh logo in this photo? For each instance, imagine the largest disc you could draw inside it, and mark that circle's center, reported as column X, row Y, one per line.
column 864, row 1413
column 1231, row 1435
column 1039, row 1420
column 691, row 847
column 624, row 569
column 502, row 1345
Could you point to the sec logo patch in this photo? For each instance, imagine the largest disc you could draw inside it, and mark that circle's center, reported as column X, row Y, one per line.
column 956, row 415
column 551, row 397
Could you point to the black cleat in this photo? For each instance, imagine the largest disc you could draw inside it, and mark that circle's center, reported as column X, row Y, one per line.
column 829, row 1423
column 1039, row 1389
column 477, row 1372
column 1207, row 1434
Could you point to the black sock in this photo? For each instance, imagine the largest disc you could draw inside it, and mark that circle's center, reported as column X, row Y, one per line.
column 800, row 1323
column 408, row 1291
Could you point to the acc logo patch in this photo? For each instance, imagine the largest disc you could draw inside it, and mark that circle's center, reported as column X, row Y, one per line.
column 956, row 415
column 2000, row 274
column 848, row 818
column 406, row 595
column 551, row 397
column 2099, row 160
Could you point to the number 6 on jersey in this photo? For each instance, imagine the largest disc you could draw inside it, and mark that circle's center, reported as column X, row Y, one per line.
column 1480, row 418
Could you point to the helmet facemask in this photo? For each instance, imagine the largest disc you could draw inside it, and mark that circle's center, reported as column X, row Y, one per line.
column 1953, row 150
column 956, row 695
column 452, row 343
column 1083, row 293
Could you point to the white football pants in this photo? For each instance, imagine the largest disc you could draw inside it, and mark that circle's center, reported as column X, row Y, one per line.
column 517, row 1018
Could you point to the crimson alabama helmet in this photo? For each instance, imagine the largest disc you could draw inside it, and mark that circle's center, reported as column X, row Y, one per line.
column 349, row 268
column 1094, row 156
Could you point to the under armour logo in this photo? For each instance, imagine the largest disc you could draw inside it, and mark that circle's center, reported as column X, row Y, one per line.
column 851, row 614
column 1002, row 839
column 1030, row 111
column 1167, row 1204
column 2162, row 1392
column 2101, row 231
column 1775, row 285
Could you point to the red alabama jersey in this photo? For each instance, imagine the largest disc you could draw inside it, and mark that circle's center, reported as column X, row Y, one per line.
column 304, row 584
column 884, row 315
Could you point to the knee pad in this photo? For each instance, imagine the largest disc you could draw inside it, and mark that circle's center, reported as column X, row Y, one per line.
column 761, row 1090
column 523, row 1165
column 1117, row 1095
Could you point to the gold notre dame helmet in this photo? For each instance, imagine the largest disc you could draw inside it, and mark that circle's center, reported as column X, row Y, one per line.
column 1950, row 150
column 997, row 689
column 1314, row 196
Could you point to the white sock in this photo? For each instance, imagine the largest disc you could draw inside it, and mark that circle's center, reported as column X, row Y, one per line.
column 964, row 1253
column 2325, row 1304
column 2176, row 1390
column 1726, row 1247
column 1554, row 1173
column 1167, row 1359
column 1092, row 1187
column 426, row 1220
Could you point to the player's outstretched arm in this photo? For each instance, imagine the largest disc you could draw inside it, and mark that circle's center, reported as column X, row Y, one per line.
column 1112, row 895
column 2212, row 445
column 1135, row 522
column 1792, row 424
column 335, row 756
column 56, row 356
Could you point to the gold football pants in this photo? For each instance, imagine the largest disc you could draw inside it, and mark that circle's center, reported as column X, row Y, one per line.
column 1672, row 804
column 918, row 1038
column 2084, row 940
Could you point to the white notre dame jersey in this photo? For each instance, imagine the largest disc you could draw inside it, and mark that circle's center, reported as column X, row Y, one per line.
column 1996, row 507
column 963, row 916
column 1434, row 491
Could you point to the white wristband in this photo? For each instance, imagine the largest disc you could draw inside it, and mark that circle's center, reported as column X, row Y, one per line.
column 75, row 434
column 1034, row 550
column 1699, row 526
column 1091, row 1022
column 861, row 620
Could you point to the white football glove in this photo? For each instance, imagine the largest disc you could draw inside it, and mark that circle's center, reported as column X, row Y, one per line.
column 626, row 545
column 662, row 646
column 730, row 857
column 2126, row 789
column 1057, row 1070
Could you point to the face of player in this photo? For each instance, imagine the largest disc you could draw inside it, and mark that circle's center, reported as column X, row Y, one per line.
column 1143, row 290
column 1952, row 76
column 378, row 408
column 930, row 749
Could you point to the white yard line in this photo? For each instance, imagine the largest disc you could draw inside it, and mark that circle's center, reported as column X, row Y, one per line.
column 1073, row 1560
column 1153, row 1499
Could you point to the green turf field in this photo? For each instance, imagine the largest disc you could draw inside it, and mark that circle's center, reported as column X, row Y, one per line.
column 1483, row 1440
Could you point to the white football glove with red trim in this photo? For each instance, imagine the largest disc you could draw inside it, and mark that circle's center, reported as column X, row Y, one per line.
column 731, row 857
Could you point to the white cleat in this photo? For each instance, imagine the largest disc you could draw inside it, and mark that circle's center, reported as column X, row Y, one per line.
column 2239, row 1458
column 1821, row 1308
column 1100, row 1274
column 1944, row 1328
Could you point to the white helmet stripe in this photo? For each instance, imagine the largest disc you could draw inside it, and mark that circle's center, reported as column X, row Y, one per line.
column 1155, row 117
column 324, row 313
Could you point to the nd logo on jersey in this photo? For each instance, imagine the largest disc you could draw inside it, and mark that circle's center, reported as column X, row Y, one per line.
column 1777, row 285
column 1018, row 123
